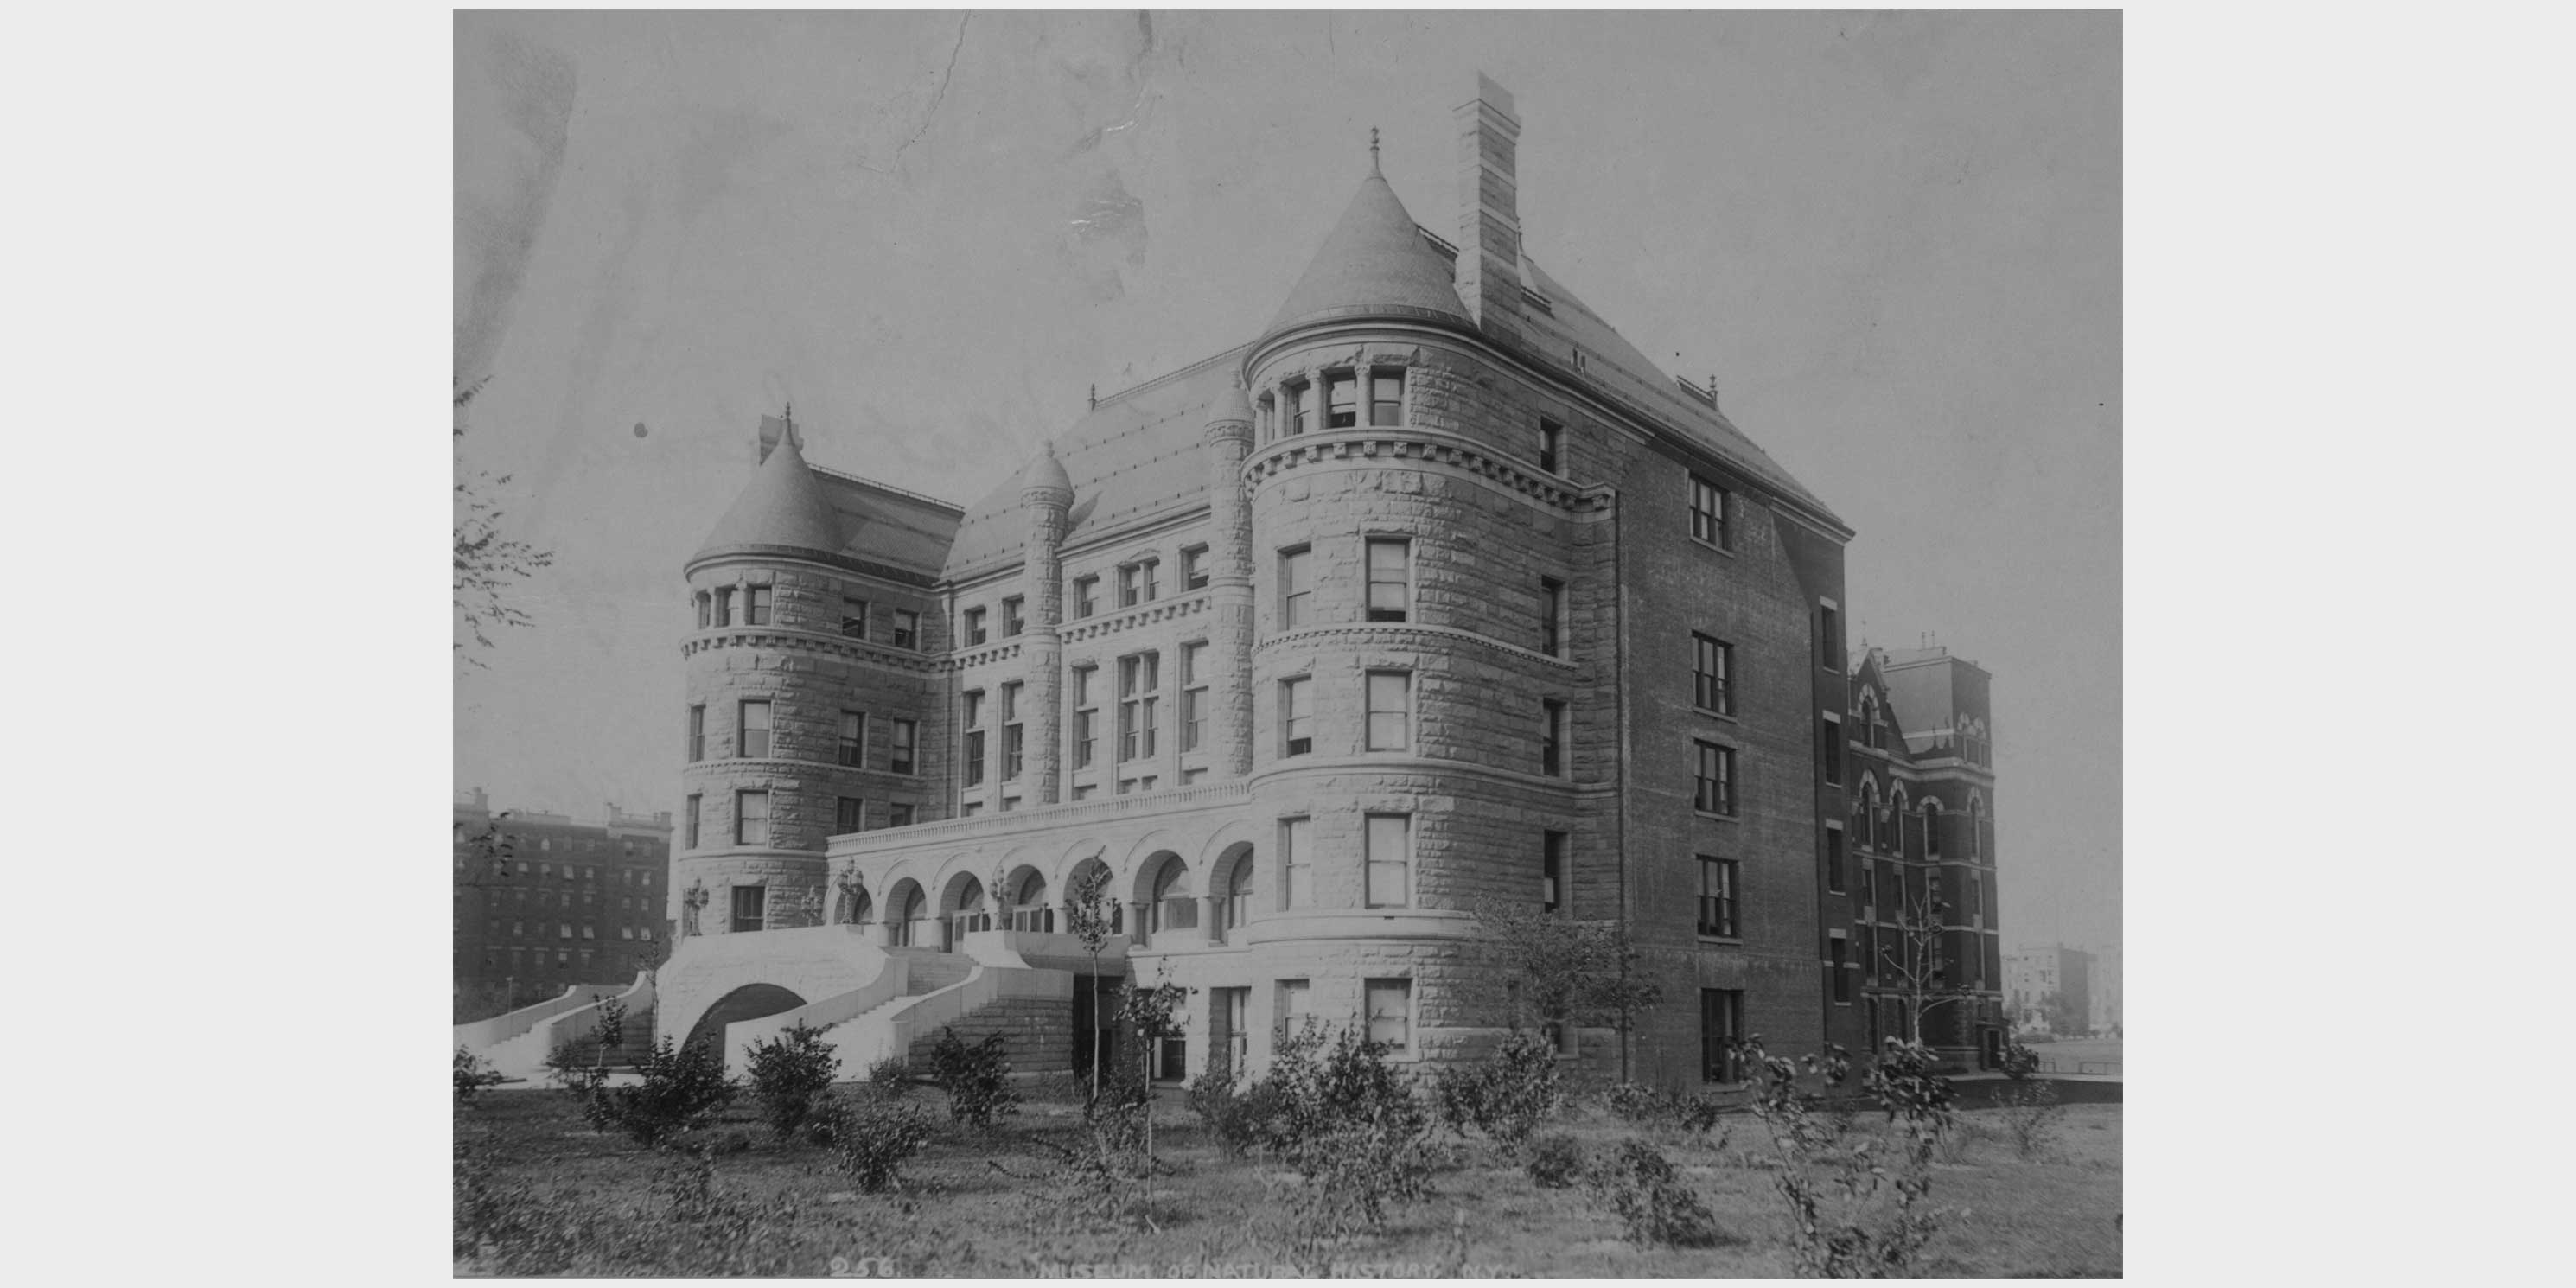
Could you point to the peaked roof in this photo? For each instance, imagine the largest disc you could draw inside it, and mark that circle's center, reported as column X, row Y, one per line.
column 783, row 505
column 1374, row 262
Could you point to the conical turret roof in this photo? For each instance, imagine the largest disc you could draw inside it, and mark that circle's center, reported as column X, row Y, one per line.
column 783, row 505
column 1047, row 473
column 1375, row 262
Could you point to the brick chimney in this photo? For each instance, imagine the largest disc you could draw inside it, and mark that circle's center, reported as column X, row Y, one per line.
column 1489, row 221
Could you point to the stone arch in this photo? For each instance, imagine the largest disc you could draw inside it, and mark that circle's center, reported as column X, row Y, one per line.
column 1163, row 890
column 748, row 1002
column 907, row 905
column 965, row 905
column 1024, row 900
column 1231, row 882
column 1898, row 804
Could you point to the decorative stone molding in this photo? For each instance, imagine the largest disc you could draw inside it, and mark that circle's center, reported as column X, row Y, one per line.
column 1131, row 618
column 1392, row 634
column 1399, row 445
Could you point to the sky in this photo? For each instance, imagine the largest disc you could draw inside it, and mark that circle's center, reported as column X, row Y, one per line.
column 1893, row 239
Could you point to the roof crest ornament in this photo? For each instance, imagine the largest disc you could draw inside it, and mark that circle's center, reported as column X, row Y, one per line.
column 1373, row 150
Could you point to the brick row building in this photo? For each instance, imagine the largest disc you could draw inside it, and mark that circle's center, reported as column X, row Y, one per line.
column 1436, row 591
column 542, row 902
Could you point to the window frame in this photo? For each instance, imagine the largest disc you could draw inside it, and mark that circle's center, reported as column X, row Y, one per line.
column 1371, row 990
column 697, row 732
column 1707, row 683
column 1296, row 591
column 1552, row 624
column 907, row 629
column 903, row 746
column 1402, row 582
column 1402, row 715
column 1015, row 617
column 1292, row 688
column 1711, row 525
column 742, row 798
column 1296, row 862
column 1551, row 445
column 850, row 744
column 1719, row 913
column 742, row 729
column 1399, row 870
column 1086, row 596
column 1724, row 794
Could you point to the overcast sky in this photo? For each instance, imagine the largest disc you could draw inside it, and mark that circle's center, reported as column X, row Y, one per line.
column 1894, row 240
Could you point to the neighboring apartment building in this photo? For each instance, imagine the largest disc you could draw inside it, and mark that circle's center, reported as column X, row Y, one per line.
column 2104, row 1006
column 1435, row 591
column 542, row 902
column 2050, row 990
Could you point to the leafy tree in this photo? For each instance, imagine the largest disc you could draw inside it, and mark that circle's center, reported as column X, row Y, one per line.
column 1086, row 918
column 1568, row 972
column 487, row 561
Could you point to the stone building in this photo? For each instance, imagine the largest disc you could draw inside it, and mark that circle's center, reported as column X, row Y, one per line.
column 2050, row 990
column 543, row 903
column 1433, row 592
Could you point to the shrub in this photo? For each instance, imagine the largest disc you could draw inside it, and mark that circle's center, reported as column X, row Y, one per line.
column 977, row 1078
column 871, row 1139
column 1350, row 1126
column 2019, row 1061
column 1854, row 1212
column 1553, row 1160
column 2031, row 1114
column 1506, row 1097
column 1635, row 1103
column 789, row 1073
column 473, row 1075
column 1233, row 1114
column 891, row 1075
column 681, row 1088
column 1645, row 1106
column 1639, row 1186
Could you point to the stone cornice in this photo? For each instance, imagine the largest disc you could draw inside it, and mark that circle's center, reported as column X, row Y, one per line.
column 1387, row 763
column 1127, row 619
column 793, row 767
column 1044, row 819
column 1399, row 445
column 794, row 554
column 830, row 645
column 1432, row 638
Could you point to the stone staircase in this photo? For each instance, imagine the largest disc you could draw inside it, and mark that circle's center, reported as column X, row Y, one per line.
column 1037, row 1033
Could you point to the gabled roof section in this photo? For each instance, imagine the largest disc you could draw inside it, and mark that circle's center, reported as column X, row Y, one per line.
column 1612, row 364
column 1135, row 457
column 1374, row 264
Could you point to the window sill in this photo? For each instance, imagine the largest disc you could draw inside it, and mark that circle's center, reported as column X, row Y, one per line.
column 1715, row 714
column 1723, row 818
column 1706, row 544
column 1724, row 941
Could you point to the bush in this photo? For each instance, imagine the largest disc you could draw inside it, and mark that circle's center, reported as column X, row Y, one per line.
column 2031, row 1114
column 1645, row 1106
column 682, row 1087
column 1506, row 1097
column 2019, row 1061
column 1638, row 1185
column 1350, row 1126
column 871, row 1139
column 977, row 1078
column 1855, row 1212
column 1233, row 1115
column 1553, row 1160
column 789, row 1073
column 891, row 1075
column 473, row 1076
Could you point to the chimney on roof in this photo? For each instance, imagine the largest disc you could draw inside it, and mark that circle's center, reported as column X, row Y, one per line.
column 1489, row 221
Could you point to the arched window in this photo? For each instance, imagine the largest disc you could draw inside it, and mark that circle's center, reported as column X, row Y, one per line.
column 1976, row 829
column 1931, row 829
column 1169, row 906
column 1897, row 809
column 1029, row 910
column 1869, row 814
column 910, row 907
column 1234, row 890
column 969, row 914
column 1869, row 720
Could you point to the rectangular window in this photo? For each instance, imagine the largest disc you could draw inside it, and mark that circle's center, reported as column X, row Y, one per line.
column 754, row 724
column 1294, row 588
column 1390, row 708
column 1086, row 718
column 1341, row 401
column 974, row 758
column 1390, row 1013
column 1296, row 865
column 901, row 760
column 1298, row 402
column 1712, row 661
column 751, row 818
column 1829, row 638
column 1014, row 620
column 1829, row 748
column 1128, row 583
column 1193, row 695
column 1551, row 444
column 1931, row 833
column 1086, row 596
column 1194, row 568
column 1139, row 678
column 852, row 747
column 1386, row 397
column 724, row 606
column 1840, row 949
column 1717, row 879
column 747, row 906
column 854, row 618
column 1268, row 408
column 1551, row 617
column 975, row 633
column 704, row 617
column 974, row 709
column 1834, row 859
column 1389, row 843
column 899, row 814
column 1296, row 724
column 756, row 606
column 1708, row 513
column 1014, row 744
column 1389, row 580
column 1714, row 788
column 1551, row 744
column 697, row 733
column 1552, row 872
column 1721, row 1026
column 907, row 629
column 1152, row 570
column 1296, row 1007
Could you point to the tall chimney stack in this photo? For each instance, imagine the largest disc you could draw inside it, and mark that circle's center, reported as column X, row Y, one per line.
column 1489, row 221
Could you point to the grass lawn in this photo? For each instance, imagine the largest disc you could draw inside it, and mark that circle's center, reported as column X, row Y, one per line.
column 599, row 1205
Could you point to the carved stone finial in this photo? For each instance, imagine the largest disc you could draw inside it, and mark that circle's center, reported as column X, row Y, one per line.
column 1373, row 150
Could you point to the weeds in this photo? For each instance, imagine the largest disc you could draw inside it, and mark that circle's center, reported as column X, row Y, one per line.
column 2032, row 1115
column 1553, row 1161
column 977, row 1079
column 870, row 1139
column 473, row 1076
column 1856, row 1213
column 1639, row 1186
column 1506, row 1097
